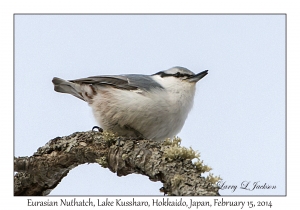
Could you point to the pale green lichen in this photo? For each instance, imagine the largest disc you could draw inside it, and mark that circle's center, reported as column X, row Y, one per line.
column 124, row 156
column 176, row 141
column 70, row 144
column 213, row 179
column 175, row 151
column 102, row 161
column 201, row 167
column 176, row 180
column 109, row 136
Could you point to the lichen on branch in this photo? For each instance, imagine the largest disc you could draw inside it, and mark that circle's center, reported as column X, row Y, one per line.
column 166, row 161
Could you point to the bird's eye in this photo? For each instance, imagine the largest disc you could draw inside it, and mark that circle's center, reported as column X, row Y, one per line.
column 177, row 74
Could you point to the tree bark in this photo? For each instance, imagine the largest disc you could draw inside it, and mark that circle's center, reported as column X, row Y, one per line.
column 43, row 171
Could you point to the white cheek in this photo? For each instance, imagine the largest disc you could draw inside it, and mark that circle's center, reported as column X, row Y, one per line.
column 167, row 82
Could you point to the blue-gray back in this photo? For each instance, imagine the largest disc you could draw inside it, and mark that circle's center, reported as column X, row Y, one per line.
column 126, row 81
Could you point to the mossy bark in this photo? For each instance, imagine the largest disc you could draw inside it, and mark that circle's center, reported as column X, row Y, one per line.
column 43, row 171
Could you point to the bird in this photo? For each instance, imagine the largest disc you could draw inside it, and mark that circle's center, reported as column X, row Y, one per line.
column 152, row 107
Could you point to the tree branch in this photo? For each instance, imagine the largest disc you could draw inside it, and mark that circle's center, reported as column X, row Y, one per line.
column 42, row 172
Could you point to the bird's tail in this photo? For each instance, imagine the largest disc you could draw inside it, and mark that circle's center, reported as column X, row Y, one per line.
column 63, row 86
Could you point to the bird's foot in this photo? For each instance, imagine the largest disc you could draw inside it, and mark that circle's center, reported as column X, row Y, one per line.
column 97, row 127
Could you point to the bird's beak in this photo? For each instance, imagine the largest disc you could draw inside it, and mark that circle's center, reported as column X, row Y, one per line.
column 195, row 78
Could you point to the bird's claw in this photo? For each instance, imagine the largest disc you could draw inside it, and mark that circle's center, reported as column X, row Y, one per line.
column 97, row 127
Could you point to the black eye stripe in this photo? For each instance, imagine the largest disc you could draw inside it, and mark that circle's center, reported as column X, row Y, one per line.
column 178, row 74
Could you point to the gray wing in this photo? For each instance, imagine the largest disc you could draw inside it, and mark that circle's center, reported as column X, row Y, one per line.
column 125, row 82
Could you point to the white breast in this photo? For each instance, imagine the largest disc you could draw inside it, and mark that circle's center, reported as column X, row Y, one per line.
column 157, row 115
